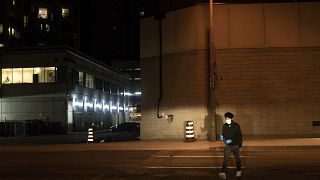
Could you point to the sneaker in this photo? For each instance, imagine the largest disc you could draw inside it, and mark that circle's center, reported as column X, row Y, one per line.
column 238, row 174
column 223, row 175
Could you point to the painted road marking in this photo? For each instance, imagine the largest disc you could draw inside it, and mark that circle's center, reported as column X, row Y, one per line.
column 166, row 156
column 189, row 167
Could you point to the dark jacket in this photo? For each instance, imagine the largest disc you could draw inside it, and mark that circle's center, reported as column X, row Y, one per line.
column 233, row 132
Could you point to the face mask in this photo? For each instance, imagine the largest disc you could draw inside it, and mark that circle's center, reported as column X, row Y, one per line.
column 228, row 121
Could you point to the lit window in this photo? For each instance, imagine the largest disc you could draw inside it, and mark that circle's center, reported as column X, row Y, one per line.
column 80, row 80
column 14, row 2
column 1, row 45
column 50, row 74
column 17, row 75
column 47, row 27
column 65, row 12
column 89, row 81
column 1, row 28
column 38, row 74
column 13, row 33
column 25, row 21
column 7, row 76
column 27, row 75
column 43, row 13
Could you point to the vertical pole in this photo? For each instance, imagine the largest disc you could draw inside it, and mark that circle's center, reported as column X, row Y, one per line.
column 5, row 127
column 15, row 128
column 212, row 64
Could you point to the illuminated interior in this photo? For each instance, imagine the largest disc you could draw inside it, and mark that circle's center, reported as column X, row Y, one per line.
column 1, row 28
column 29, row 75
column 43, row 13
column 13, row 32
column 89, row 81
column 25, row 21
column 80, row 78
column 65, row 12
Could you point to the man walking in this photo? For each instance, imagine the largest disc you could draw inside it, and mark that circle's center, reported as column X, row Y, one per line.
column 232, row 137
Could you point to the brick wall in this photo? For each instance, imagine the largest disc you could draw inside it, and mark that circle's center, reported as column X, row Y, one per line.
column 269, row 77
column 184, row 95
column 271, row 91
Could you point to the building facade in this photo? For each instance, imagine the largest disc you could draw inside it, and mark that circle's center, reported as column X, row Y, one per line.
column 59, row 84
column 266, row 70
column 39, row 23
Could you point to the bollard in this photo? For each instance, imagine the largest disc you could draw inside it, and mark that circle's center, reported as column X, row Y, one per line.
column 190, row 131
column 90, row 135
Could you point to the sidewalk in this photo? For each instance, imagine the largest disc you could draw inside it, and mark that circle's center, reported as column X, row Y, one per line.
column 62, row 144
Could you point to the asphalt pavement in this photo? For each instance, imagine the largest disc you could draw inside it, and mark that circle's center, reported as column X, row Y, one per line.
column 75, row 139
column 71, row 157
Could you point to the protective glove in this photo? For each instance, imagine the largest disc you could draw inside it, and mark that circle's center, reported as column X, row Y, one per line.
column 228, row 141
column 221, row 137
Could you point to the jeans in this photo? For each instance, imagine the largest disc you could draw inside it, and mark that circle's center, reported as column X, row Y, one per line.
column 227, row 151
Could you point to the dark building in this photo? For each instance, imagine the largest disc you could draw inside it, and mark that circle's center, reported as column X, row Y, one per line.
column 39, row 22
column 110, row 33
column 110, row 29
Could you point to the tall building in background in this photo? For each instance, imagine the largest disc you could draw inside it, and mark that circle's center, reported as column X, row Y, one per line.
column 110, row 29
column 39, row 23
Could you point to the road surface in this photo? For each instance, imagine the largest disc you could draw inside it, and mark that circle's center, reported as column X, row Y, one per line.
column 293, row 164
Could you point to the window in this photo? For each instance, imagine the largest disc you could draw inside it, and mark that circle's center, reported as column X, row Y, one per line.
column 44, row 74
column 17, row 75
column 1, row 45
column 50, row 74
column 106, row 86
column 89, row 81
column 38, row 75
column 7, row 76
column 27, row 74
column 25, row 21
column 99, row 84
column 65, row 12
column 80, row 80
column 1, row 28
column 113, row 88
column 13, row 2
column 45, row 27
column 43, row 13
column 13, row 33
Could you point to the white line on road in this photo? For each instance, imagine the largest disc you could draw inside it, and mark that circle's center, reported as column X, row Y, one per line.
column 193, row 156
column 188, row 167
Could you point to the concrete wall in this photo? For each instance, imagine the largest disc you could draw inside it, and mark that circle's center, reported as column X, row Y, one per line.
column 267, row 25
column 267, row 65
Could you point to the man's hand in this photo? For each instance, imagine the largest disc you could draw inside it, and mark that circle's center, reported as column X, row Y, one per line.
column 221, row 137
column 228, row 141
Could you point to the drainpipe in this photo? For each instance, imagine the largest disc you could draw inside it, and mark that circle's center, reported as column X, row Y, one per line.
column 212, row 76
column 159, row 16
column 160, row 69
